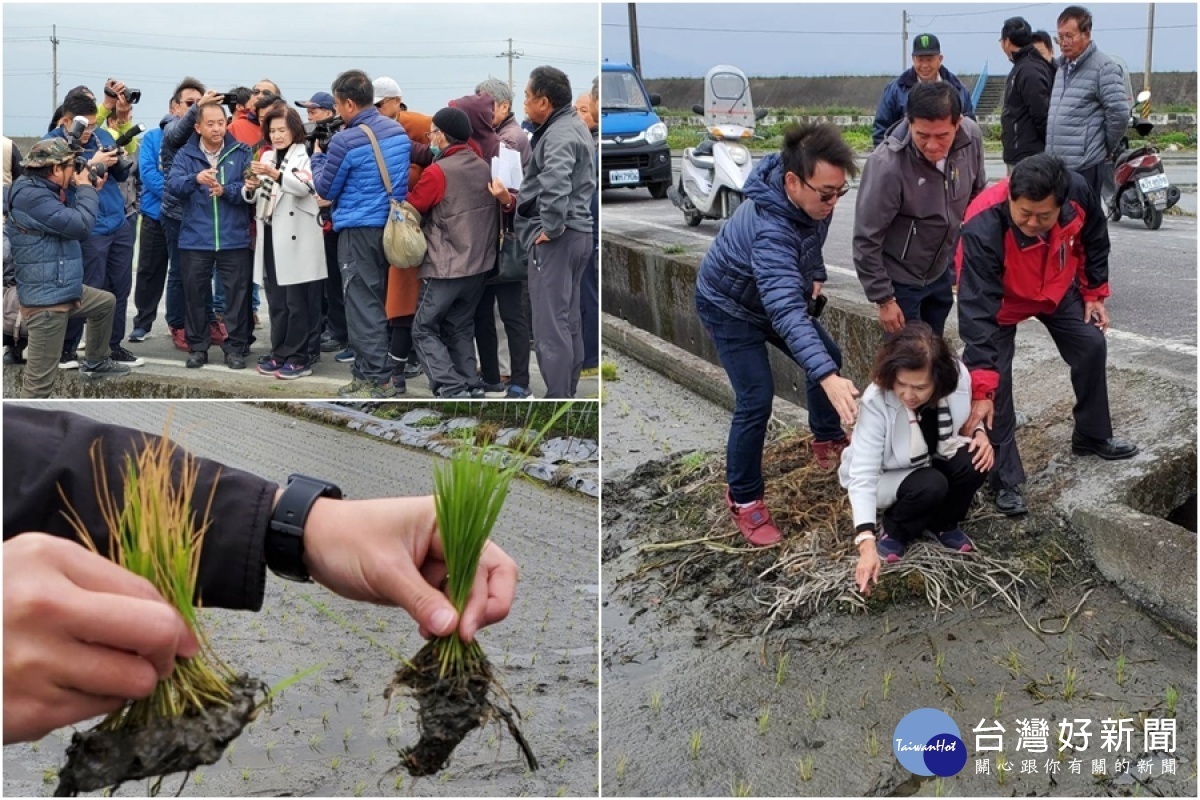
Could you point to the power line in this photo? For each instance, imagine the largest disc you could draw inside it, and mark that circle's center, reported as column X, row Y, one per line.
column 723, row 31
column 1004, row 10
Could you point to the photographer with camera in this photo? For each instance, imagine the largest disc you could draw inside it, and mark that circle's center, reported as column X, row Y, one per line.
column 334, row 338
column 108, row 251
column 351, row 175
column 116, row 111
column 208, row 176
column 52, row 208
column 243, row 126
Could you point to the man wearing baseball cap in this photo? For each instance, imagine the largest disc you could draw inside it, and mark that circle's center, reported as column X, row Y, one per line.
column 52, row 209
column 319, row 106
column 926, row 67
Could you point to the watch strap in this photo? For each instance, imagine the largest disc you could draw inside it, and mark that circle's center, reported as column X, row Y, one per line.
column 283, row 549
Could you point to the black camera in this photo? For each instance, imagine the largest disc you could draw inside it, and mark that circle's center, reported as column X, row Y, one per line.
column 237, row 96
column 132, row 95
column 321, row 132
column 123, row 160
column 96, row 172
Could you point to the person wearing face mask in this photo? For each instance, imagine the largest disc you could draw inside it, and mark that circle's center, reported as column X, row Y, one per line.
column 915, row 189
column 289, row 255
column 907, row 456
column 51, row 211
column 1035, row 244
column 755, row 287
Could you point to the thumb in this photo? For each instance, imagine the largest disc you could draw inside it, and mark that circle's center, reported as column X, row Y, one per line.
column 427, row 606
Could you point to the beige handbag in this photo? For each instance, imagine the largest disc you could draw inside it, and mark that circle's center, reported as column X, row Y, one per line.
column 403, row 239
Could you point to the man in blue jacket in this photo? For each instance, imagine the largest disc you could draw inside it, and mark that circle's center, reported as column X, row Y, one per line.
column 350, row 177
column 152, row 244
column 754, row 288
column 927, row 67
column 108, row 251
column 51, row 209
column 207, row 178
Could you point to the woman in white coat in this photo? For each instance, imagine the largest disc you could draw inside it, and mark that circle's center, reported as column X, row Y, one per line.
column 908, row 455
column 289, row 253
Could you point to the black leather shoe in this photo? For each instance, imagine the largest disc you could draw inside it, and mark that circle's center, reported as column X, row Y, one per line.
column 197, row 359
column 235, row 361
column 1113, row 449
column 1010, row 503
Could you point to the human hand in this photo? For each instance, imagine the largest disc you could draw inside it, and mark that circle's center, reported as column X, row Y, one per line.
column 891, row 317
column 115, row 86
column 500, row 191
column 981, row 446
column 216, row 190
column 542, row 238
column 388, row 551
column 323, row 203
column 124, row 107
column 207, row 177
column 841, row 392
column 317, row 147
column 252, row 182
column 211, row 98
column 866, row 572
column 82, row 636
column 981, row 411
column 1095, row 313
column 81, row 178
column 106, row 157
column 816, row 292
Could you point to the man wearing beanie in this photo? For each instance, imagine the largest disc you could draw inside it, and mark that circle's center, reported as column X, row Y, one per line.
column 462, row 224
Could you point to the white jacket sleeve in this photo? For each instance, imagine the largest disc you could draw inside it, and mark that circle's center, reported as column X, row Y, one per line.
column 866, row 459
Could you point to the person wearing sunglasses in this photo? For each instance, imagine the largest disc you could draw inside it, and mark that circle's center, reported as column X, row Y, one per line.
column 754, row 288
column 914, row 192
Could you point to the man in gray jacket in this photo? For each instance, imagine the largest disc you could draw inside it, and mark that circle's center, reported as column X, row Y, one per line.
column 554, row 223
column 1089, row 109
column 914, row 192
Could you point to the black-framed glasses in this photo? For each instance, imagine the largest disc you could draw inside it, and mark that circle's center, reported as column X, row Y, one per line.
column 189, row 103
column 825, row 196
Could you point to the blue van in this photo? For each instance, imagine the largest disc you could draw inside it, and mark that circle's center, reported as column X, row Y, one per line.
column 633, row 140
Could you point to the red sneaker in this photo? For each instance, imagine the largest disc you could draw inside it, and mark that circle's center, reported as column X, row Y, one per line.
column 754, row 522
column 179, row 337
column 217, row 332
column 828, row 455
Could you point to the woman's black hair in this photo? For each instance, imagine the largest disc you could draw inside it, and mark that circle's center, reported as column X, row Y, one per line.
column 916, row 347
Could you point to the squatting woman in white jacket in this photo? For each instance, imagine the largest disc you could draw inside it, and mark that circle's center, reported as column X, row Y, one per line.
column 289, row 253
column 908, row 456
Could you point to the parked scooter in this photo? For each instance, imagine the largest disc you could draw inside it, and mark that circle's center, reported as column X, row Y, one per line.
column 712, row 175
column 1143, row 190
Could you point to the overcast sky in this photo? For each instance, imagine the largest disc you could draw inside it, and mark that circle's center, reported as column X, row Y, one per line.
column 685, row 40
column 436, row 52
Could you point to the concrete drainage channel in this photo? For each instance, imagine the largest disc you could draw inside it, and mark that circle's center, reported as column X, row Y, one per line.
column 1125, row 515
column 567, row 462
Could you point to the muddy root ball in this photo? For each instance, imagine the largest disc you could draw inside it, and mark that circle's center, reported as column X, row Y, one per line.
column 97, row 759
column 447, row 710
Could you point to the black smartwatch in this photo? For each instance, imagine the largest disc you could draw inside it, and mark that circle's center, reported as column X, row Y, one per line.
column 284, row 546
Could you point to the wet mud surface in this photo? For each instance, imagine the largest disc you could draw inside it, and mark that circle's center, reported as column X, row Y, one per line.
column 331, row 733
column 700, row 701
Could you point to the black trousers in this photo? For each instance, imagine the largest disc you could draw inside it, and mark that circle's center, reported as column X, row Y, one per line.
column 234, row 268
column 934, row 498
column 444, row 331
column 1085, row 350
column 151, row 272
column 295, row 312
column 516, row 326
column 335, row 303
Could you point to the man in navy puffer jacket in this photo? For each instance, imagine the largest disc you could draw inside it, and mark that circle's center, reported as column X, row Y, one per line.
column 50, row 210
column 754, row 287
column 349, row 176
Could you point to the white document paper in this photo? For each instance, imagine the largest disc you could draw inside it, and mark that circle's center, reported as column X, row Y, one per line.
column 507, row 167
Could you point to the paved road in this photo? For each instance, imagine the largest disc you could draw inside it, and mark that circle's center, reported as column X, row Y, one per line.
column 1153, row 273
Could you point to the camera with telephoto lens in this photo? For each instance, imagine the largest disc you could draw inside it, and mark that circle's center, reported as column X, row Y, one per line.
column 321, row 132
column 132, row 95
column 96, row 172
column 124, row 161
column 237, row 96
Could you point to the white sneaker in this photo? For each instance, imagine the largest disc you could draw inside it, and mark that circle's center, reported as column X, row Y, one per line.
column 68, row 363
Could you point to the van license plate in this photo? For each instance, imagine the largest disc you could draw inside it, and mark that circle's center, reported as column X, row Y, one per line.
column 1152, row 182
column 618, row 177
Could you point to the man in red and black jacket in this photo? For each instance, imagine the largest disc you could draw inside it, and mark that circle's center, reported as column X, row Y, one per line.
column 1036, row 245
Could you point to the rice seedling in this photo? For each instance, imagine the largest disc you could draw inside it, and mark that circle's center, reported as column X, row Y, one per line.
column 622, row 765
column 1121, row 670
column 359, row 788
column 1069, row 690
column 270, row 746
column 887, row 682
column 939, row 787
column 452, row 680
column 655, row 700
column 816, row 706
column 49, row 775
column 781, row 669
column 314, row 742
column 694, row 745
column 198, row 778
column 764, row 721
column 740, row 788
column 804, row 766
column 398, row 783
column 156, row 531
column 1172, row 699
column 872, row 743
column 1012, row 662
column 1002, row 769
column 335, row 762
column 608, row 371
column 998, row 703
column 245, row 773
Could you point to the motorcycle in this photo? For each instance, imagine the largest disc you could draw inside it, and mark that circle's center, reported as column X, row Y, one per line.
column 712, row 175
column 1143, row 190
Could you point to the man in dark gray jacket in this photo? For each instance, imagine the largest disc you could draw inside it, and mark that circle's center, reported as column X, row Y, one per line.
column 914, row 192
column 554, row 223
column 1089, row 109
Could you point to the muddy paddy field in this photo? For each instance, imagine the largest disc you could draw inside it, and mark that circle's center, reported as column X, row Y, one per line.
column 699, row 700
column 332, row 734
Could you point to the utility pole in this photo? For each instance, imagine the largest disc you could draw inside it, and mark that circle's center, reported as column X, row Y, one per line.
column 510, row 54
column 54, row 65
column 635, row 55
column 904, row 20
column 1149, row 49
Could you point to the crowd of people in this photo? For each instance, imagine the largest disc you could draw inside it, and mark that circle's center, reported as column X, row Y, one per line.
column 232, row 199
column 932, row 426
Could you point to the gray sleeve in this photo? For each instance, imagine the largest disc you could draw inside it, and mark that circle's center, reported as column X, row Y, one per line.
column 874, row 212
column 1111, row 91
